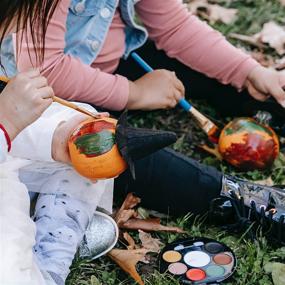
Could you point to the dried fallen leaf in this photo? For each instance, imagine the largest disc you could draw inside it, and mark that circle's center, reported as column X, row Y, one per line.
column 124, row 215
column 130, row 241
column 126, row 211
column 271, row 34
column 126, row 218
column 131, row 201
column 150, row 243
column 128, row 259
column 149, row 225
column 196, row 5
column 251, row 40
column 224, row 15
column 213, row 12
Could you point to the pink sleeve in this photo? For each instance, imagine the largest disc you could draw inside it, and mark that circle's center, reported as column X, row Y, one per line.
column 186, row 38
column 70, row 78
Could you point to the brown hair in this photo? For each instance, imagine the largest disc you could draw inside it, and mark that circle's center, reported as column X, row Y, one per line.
column 33, row 15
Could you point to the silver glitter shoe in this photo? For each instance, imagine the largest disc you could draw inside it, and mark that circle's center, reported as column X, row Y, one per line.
column 101, row 236
column 252, row 202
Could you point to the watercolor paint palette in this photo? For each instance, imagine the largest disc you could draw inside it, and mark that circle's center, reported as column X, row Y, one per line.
column 198, row 261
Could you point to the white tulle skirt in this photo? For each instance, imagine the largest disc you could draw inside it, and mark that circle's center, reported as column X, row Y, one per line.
column 18, row 265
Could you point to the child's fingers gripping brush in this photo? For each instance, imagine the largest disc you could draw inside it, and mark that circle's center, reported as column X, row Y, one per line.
column 207, row 125
column 4, row 81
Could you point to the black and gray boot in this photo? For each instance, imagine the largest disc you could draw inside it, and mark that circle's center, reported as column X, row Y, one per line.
column 245, row 204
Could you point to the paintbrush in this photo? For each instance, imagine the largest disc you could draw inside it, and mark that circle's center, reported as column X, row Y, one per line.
column 206, row 124
column 4, row 81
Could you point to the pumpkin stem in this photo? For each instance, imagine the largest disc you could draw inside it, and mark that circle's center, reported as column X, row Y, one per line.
column 263, row 118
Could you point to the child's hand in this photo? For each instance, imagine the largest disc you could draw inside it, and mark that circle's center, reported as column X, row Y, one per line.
column 263, row 83
column 23, row 100
column 160, row 89
column 61, row 135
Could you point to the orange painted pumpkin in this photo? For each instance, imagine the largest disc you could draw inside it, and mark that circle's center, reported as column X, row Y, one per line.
column 93, row 149
column 248, row 145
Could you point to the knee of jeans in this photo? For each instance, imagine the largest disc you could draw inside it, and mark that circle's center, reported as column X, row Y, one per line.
column 66, row 232
column 54, row 243
column 63, row 207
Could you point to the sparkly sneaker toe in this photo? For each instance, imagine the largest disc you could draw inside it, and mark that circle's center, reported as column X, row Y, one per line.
column 100, row 237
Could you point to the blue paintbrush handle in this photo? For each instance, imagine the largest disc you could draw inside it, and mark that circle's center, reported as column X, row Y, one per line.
column 183, row 103
column 141, row 62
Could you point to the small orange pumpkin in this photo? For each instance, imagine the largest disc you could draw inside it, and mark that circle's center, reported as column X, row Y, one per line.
column 93, row 149
column 248, row 145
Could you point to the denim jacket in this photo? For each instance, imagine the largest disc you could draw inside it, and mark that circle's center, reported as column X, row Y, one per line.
column 87, row 25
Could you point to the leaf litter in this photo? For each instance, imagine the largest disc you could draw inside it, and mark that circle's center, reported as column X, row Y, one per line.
column 127, row 217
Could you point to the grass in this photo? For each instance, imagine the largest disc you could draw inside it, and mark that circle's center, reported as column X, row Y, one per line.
column 252, row 256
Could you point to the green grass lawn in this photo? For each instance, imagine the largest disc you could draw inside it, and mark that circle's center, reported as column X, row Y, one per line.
column 252, row 256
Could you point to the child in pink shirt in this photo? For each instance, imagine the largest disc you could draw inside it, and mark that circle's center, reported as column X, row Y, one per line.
column 179, row 42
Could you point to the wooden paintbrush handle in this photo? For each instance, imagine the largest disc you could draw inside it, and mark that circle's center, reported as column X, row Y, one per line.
column 75, row 107
column 4, row 81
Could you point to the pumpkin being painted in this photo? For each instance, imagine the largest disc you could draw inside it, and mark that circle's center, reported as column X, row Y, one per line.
column 248, row 145
column 93, row 149
column 104, row 148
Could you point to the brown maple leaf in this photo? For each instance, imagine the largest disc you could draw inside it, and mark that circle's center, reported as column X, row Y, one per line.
column 271, row 34
column 128, row 259
column 150, row 243
column 213, row 12
column 130, row 241
column 126, row 211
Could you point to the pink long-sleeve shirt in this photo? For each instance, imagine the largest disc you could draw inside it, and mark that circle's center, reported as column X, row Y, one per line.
column 182, row 35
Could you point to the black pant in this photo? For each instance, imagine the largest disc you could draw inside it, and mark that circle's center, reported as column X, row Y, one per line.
column 170, row 182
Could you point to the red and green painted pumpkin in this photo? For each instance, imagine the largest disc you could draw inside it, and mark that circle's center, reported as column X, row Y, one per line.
column 93, row 149
column 248, row 145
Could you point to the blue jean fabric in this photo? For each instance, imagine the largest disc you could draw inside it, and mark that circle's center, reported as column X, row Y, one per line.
column 87, row 25
column 61, row 222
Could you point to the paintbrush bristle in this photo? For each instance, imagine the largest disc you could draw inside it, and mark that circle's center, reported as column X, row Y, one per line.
column 214, row 134
column 207, row 125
